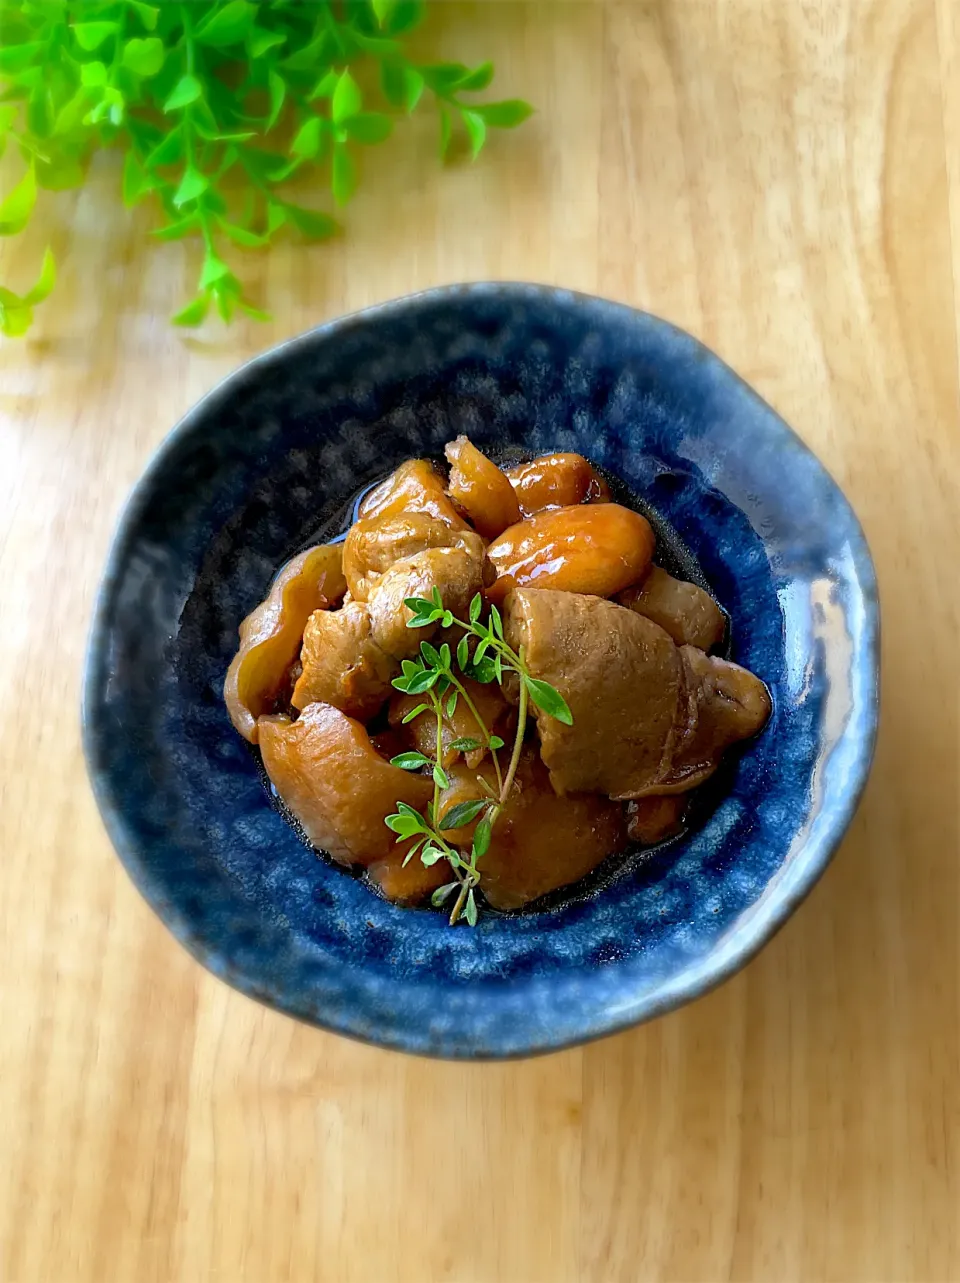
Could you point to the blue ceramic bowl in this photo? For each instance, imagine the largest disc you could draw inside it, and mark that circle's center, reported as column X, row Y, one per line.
column 273, row 456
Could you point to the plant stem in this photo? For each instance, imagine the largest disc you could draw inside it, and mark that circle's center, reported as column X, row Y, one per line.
column 517, row 746
column 481, row 724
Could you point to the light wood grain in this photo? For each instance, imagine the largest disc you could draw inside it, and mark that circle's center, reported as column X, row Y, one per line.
column 784, row 181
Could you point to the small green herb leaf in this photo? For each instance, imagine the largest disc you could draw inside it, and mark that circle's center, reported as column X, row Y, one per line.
column 465, row 744
column 415, row 713
column 549, row 700
column 452, row 703
column 481, row 839
column 462, row 814
column 470, row 912
column 440, row 777
column 410, row 761
column 496, row 742
column 431, row 854
column 442, row 893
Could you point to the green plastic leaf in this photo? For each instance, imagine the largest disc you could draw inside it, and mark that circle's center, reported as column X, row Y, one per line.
column 16, row 209
column 191, row 186
column 91, row 35
column 549, row 700
column 256, row 313
column 413, row 83
column 476, row 131
column 462, row 813
column 136, row 180
column 15, row 321
column 325, row 86
column 312, row 222
column 391, row 82
column 214, row 270
column 369, row 127
column 228, row 25
column 93, row 75
column 344, row 177
column 242, row 235
column 410, row 761
column 260, row 41
column 147, row 13
column 481, row 839
column 383, row 9
column 406, row 15
column 169, row 151
column 71, row 113
column 347, row 99
column 276, row 216
column 440, row 777
column 504, row 115
column 477, row 79
column 277, row 88
column 60, row 174
column 8, row 115
column 193, row 313
column 442, row 893
column 306, row 143
column 445, row 77
column 415, row 712
column 44, row 282
column 187, row 90
column 175, row 231
column 17, row 57
column 143, row 57
column 311, row 56
column 465, row 744
column 470, row 912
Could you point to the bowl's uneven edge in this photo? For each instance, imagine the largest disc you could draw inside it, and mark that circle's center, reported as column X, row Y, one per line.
column 700, row 977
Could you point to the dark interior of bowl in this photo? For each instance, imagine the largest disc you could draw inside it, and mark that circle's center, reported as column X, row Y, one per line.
column 277, row 454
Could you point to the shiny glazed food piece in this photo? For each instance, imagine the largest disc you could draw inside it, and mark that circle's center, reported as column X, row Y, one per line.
column 542, row 841
column 410, row 884
column 270, row 635
column 647, row 717
column 652, row 819
column 421, row 733
column 481, row 489
column 335, row 782
column 342, row 664
column 456, row 573
column 598, row 549
column 415, row 486
column 375, row 544
column 686, row 612
column 556, row 481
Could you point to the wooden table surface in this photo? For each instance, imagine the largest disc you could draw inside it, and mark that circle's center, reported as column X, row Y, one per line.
column 782, row 179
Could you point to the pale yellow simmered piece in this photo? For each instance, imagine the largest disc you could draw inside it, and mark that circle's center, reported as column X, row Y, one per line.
column 685, row 611
column 556, row 481
column 481, row 489
column 593, row 548
column 415, row 486
column 329, row 774
column 270, row 635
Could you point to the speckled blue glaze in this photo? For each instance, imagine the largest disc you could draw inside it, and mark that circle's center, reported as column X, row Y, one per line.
column 248, row 476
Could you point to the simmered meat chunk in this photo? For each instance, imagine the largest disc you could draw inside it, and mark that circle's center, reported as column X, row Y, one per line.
column 335, row 782
column 342, row 664
column 723, row 704
column 556, row 481
column 652, row 819
column 407, row 884
column 457, row 573
column 542, row 841
column 684, row 610
column 375, row 544
column 270, row 635
column 647, row 717
column 415, row 487
column 597, row 549
column 621, row 677
column 481, row 489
